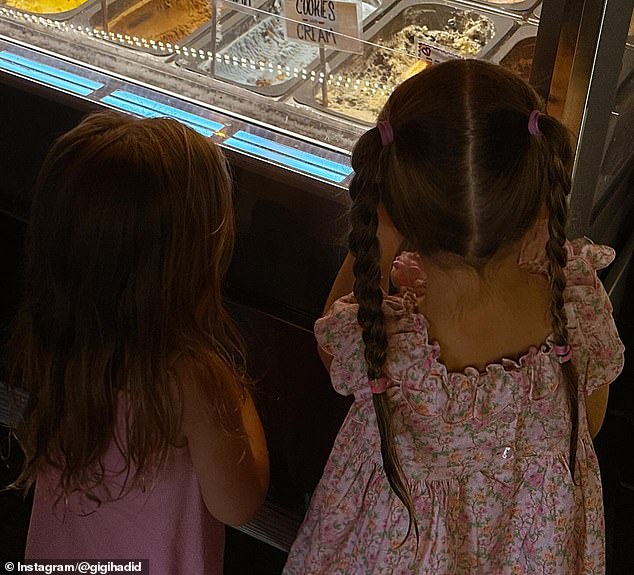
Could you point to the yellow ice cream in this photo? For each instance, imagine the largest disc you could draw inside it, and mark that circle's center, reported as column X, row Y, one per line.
column 414, row 69
column 44, row 6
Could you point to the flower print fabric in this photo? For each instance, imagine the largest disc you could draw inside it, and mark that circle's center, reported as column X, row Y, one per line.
column 485, row 453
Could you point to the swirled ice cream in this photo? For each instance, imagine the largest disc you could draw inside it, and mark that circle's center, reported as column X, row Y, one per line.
column 361, row 87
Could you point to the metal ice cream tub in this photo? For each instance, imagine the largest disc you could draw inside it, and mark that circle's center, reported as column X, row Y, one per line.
column 255, row 53
column 154, row 26
column 516, row 54
column 51, row 9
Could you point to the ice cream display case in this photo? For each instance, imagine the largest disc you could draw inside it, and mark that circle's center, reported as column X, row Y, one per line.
column 285, row 87
column 255, row 58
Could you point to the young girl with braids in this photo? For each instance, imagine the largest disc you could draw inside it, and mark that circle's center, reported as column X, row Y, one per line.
column 140, row 433
column 480, row 382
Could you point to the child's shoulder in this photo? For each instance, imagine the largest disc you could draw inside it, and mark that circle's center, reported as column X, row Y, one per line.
column 585, row 257
column 340, row 323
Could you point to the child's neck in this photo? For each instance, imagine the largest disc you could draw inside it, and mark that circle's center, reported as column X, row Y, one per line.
column 456, row 281
column 479, row 317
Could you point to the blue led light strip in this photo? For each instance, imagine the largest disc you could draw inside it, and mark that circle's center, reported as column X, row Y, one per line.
column 47, row 74
column 149, row 108
column 284, row 160
column 146, row 107
column 306, row 157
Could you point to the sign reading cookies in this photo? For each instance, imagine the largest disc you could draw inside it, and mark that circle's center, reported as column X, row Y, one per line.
column 328, row 23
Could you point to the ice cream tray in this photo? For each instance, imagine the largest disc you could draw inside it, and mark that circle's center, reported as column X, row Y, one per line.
column 131, row 21
column 435, row 15
column 253, row 53
column 516, row 54
column 537, row 13
column 58, row 16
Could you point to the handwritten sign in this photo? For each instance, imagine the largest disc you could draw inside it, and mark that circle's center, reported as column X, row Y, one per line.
column 329, row 23
column 433, row 54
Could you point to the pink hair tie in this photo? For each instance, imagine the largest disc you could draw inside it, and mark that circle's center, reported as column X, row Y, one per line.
column 563, row 353
column 378, row 384
column 386, row 132
column 408, row 272
column 533, row 123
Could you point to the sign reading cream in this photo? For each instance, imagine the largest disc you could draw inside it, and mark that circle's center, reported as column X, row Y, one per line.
column 329, row 23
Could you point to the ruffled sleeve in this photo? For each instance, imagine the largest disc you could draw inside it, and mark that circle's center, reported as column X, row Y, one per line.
column 339, row 334
column 598, row 352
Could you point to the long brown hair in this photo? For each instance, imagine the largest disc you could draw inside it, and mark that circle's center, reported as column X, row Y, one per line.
column 131, row 231
column 462, row 176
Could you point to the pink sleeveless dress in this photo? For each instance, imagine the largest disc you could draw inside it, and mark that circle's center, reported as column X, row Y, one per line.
column 485, row 453
column 166, row 523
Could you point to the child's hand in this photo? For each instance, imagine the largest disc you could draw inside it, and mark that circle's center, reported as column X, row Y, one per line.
column 408, row 275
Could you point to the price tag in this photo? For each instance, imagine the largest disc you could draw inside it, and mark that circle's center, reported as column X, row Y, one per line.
column 433, row 54
column 329, row 23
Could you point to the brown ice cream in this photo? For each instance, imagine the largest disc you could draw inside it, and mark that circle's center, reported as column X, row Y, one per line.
column 161, row 20
column 520, row 58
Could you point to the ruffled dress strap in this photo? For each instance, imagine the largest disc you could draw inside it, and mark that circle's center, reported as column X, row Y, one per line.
column 338, row 333
column 597, row 351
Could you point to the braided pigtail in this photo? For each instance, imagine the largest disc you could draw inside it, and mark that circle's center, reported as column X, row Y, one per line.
column 556, row 203
column 364, row 246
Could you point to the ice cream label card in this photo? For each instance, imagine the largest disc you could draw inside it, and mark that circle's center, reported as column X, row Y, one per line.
column 433, row 54
column 328, row 23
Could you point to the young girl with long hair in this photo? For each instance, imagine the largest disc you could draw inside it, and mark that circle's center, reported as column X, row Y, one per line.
column 140, row 433
column 479, row 383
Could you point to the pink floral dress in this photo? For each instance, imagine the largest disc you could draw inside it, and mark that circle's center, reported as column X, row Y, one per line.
column 485, row 454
